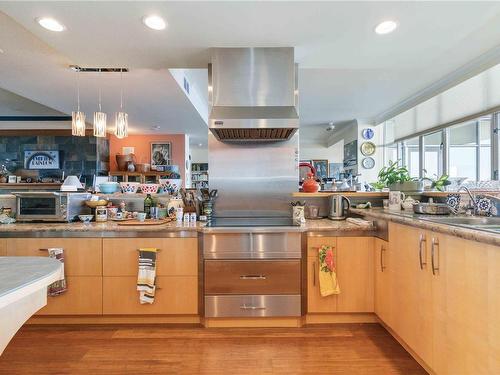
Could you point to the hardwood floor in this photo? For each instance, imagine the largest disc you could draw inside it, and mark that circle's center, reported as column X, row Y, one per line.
column 335, row 349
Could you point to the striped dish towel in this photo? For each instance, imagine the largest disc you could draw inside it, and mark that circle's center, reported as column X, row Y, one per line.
column 57, row 287
column 146, row 275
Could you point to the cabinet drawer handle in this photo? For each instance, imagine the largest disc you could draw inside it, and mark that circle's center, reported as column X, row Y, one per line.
column 314, row 273
column 382, row 267
column 43, row 249
column 253, row 277
column 420, row 250
column 249, row 307
column 434, row 245
column 157, row 250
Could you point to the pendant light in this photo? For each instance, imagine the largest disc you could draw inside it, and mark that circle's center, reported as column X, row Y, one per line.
column 121, row 118
column 99, row 117
column 78, row 117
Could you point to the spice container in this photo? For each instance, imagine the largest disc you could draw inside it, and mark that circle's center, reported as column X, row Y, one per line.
column 101, row 214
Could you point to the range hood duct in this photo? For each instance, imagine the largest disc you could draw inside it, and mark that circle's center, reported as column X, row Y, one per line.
column 253, row 94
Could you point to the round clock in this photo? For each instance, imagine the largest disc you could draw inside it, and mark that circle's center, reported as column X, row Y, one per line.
column 368, row 148
column 368, row 163
column 367, row 133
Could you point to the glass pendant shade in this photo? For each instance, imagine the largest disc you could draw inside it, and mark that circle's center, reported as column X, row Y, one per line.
column 121, row 120
column 99, row 124
column 78, row 124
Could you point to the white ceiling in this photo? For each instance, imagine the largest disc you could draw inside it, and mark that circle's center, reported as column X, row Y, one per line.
column 346, row 70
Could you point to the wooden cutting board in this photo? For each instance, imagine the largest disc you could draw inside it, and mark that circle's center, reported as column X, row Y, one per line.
column 145, row 222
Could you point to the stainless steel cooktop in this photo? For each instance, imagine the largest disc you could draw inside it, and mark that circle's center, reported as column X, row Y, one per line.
column 251, row 222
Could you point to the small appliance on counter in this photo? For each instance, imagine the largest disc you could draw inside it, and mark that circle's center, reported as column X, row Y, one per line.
column 52, row 206
column 337, row 207
column 72, row 183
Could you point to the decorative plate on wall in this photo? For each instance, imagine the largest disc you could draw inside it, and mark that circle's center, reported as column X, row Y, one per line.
column 368, row 163
column 367, row 133
column 368, row 148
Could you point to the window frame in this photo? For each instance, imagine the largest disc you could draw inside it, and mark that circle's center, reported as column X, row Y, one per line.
column 445, row 157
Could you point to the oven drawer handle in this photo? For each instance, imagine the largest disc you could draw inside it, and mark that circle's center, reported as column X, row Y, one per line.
column 250, row 307
column 253, row 277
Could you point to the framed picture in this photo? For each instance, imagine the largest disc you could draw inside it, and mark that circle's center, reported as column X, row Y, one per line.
column 321, row 168
column 161, row 154
column 41, row 159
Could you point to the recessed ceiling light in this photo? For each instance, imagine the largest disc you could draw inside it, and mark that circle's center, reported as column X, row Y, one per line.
column 156, row 127
column 386, row 27
column 154, row 22
column 200, row 144
column 50, row 24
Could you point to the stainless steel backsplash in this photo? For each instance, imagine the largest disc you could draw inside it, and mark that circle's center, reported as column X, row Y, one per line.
column 253, row 179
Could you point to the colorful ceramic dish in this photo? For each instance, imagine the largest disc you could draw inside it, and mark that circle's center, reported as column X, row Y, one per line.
column 171, row 185
column 150, row 188
column 129, row 187
column 368, row 148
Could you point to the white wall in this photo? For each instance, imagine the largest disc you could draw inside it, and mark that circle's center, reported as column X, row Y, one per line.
column 199, row 154
column 334, row 154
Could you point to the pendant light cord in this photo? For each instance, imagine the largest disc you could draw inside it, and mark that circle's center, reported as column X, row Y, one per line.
column 100, row 90
column 121, row 90
column 78, row 89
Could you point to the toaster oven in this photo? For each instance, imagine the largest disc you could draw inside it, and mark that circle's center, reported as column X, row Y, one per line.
column 50, row 206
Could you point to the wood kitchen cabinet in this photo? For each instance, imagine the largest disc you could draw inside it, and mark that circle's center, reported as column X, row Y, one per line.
column 3, row 247
column 355, row 274
column 174, row 295
column 445, row 300
column 176, row 256
column 177, row 276
column 82, row 268
column 354, row 262
column 466, row 300
column 412, row 288
column 384, row 268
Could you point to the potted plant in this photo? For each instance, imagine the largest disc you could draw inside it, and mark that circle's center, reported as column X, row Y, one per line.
column 397, row 178
column 438, row 183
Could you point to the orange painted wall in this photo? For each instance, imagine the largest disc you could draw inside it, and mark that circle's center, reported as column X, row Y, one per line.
column 142, row 144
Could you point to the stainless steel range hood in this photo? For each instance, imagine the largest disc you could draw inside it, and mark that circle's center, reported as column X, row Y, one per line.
column 253, row 94
column 253, row 139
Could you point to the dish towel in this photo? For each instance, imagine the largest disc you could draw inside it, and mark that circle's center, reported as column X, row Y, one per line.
column 328, row 283
column 146, row 276
column 57, row 287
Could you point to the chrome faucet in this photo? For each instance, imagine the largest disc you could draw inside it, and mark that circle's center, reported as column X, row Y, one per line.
column 473, row 204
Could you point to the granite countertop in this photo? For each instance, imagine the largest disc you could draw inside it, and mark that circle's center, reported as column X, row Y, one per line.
column 426, row 222
column 320, row 225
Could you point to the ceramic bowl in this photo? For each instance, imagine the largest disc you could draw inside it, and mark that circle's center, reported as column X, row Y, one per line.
column 85, row 218
column 171, row 185
column 129, row 187
column 109, row 187
column 94, row 204
column 150, row 188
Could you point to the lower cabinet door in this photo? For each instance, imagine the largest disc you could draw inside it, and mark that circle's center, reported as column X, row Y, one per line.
column 83, row 297
column 174, row 295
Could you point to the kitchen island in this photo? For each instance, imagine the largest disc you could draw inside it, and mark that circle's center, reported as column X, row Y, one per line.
column 429, row 283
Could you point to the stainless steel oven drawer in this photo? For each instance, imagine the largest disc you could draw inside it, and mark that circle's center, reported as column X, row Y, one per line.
column 252, row 245
column 252, row 276
column 235, row 306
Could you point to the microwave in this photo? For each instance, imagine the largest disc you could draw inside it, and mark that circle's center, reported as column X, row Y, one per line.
column 50, row 206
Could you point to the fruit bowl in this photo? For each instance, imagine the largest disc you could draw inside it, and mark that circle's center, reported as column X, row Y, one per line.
column 150, row 188
column 129, row 187
column 94, row 204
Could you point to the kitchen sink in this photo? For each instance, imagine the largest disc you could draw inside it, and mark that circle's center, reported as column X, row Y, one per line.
column 478, row 221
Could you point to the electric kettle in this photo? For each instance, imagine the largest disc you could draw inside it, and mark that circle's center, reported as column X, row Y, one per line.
column 338, row 207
